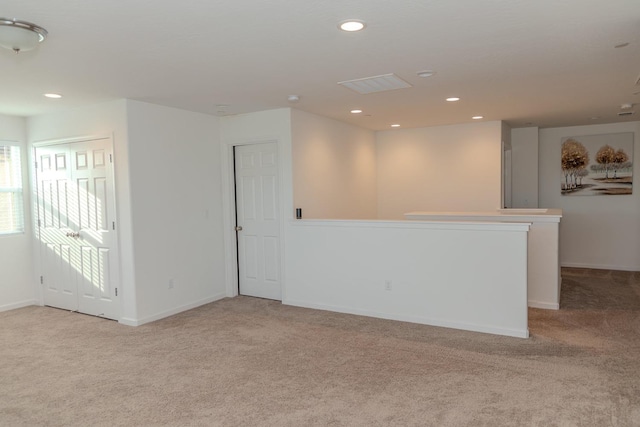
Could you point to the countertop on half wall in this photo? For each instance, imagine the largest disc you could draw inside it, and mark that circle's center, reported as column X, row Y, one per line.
column 510, row 215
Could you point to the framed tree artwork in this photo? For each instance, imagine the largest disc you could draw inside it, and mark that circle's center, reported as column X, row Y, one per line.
column 597, row 165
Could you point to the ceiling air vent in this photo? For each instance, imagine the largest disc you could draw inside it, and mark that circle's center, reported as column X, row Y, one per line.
column 375, row 84
column 625, row 113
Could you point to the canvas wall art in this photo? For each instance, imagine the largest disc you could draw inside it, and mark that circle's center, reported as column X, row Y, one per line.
column 597, row 165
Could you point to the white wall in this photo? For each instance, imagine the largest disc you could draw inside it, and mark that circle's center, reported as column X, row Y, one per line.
column 506, row 166
column 107, row 119
column 461, row 275
column 596, row 231
column 442, row 168
column 17, row 282
column 361, row 257
column 334, row 168
column 524, row 167
column 175, row 179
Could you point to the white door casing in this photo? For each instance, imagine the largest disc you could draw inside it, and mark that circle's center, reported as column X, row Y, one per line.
column 76, row 217
column 257, row 218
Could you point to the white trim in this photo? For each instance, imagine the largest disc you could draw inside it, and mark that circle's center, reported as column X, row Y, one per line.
column 11, row 143
column 600, row 266
column 176, row 310
column 60, row 141
column 16, row 305
column 11, row 233
column 23, row 154
column 36, row 246
column 517, row 333
column 228, row 216
column 544, row 305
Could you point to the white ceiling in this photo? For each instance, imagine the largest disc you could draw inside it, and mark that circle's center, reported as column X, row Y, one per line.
column 529, row 62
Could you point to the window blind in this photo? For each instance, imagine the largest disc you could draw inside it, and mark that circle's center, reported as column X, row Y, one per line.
column 11, row 204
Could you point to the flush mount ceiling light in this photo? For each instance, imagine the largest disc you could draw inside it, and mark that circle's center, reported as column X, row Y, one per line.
column 356, row 111
column 351, row 25
column 53, row 95
column 20, row 36
column 293, row 98
column 395, row 125
column 477, row 117
column 453, row 99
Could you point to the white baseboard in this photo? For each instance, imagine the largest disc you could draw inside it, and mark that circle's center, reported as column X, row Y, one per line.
column 138, row 322
column 600, row 266
column 416, row 319
column 545, row 305
column 15, row 305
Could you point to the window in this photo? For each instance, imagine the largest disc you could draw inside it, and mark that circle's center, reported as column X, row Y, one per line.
column 11, row 206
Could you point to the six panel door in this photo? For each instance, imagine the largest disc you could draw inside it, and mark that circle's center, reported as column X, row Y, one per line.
column 257, row 210
column 76, row 213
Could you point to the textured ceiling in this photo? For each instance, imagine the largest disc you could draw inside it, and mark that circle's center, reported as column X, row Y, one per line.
column 531, row 63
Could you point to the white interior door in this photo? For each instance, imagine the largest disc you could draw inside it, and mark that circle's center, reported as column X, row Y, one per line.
column 76, row 216
column 257, row 220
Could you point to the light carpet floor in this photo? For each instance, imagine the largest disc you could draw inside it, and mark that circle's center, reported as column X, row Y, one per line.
column 253, row 362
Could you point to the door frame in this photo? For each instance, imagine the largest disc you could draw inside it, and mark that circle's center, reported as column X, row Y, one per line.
column 35, row 214
column 229, row 212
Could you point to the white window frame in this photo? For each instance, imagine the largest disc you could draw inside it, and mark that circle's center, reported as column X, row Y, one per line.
column 19, row 220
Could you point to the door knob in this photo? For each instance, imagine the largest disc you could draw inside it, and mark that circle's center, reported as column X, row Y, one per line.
column 238, row 228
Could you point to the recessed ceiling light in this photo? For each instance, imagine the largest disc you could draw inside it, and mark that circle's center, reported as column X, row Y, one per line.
column 477, row 117
column 352, row 25
column 425, row 73
column 453, row 99
column 619, row 45
column 356, row 111
column 395, row 125
column 53, row 95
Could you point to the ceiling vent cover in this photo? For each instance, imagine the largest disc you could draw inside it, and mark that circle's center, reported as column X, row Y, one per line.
column 381, row 83
column 625, row 113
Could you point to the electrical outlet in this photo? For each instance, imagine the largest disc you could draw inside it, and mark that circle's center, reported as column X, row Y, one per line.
column 171, row 282
column 387, row 285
